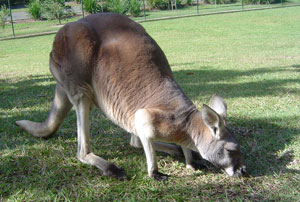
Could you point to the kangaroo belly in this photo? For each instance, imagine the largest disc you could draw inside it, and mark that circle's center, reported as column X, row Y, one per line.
column 114, row 110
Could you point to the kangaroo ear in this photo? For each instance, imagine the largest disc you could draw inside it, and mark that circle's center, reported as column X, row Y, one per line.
column 218, row 104
column 212, row 120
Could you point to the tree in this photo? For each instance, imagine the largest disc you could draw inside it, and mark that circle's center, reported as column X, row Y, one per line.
column 91, row 6
column 118, row 6
column 4, row 13
column 56, row 9
column 34, row 9
column 135, row 8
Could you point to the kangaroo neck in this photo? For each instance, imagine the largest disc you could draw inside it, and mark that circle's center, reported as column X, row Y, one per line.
column 197, row 130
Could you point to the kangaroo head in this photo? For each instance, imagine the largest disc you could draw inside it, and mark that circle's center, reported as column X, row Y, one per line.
column 220, row 146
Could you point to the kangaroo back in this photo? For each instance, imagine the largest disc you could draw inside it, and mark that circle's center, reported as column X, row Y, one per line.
column 110, row 61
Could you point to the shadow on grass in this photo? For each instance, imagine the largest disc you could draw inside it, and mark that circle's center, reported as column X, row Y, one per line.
column 206, row 81
column 26, row 92
column 22, row 98
column 260, row 139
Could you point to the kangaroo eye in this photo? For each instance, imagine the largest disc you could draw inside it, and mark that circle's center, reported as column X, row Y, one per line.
column 230, row 150
column 215, row 130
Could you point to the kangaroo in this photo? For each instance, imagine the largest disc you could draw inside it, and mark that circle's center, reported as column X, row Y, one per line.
column 109, row 61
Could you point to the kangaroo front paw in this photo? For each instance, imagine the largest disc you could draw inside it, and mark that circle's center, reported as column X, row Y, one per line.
column 196, row 166
column 159, row 176
column 114, row 171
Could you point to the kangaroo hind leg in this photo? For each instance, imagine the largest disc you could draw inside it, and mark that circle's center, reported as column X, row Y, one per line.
column 59, row 110
column 84, row 152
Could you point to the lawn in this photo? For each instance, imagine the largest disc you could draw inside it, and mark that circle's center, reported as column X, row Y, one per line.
column 34, row 27
column 252, row 59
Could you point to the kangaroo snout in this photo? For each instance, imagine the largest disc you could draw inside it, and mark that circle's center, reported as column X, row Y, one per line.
column 239, row 172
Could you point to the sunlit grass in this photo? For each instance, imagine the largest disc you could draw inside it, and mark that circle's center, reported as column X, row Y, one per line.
column 28, row 27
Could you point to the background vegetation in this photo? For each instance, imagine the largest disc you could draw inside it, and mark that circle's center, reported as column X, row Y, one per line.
column 34, row 9
column 252, row 59
column 48, row 15
column 4, row 14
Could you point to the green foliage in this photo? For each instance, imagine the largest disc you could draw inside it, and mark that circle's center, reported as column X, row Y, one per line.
column 4, row 13
column 179, row 3
column 222, row 1
column 91, row 6
column 159, row 4
column 118, row 6
column 163, row 4
column 189, row 2
column 34, row 9
column 104, row 6
column 121, row 6
column 56, row 9
column 135, row 8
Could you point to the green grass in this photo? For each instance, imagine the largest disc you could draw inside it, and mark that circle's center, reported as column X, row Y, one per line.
column 252, row 59
column 34, row 27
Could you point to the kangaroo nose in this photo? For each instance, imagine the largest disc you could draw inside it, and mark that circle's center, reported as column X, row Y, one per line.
column 243, row 170
column 236, row 173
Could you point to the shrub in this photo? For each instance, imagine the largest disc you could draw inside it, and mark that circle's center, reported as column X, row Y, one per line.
column 118, row 6
column 159, row 4
column 179, row 3
column 4, row 13
column 222, row 1
column 91, row 6
column 103, row 5
column 135, row 8
column 34, row 9
column 56, row 9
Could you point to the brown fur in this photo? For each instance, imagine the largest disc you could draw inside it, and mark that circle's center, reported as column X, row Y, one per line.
column 109, row 61
column 103, row 52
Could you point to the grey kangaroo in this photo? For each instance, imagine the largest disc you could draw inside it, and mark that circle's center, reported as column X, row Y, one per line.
column 109, row 61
